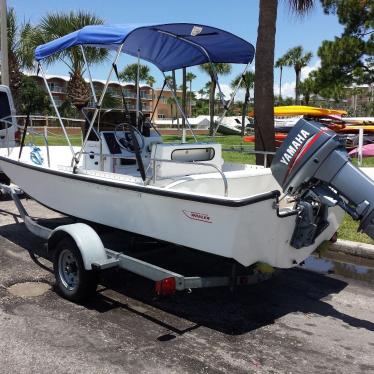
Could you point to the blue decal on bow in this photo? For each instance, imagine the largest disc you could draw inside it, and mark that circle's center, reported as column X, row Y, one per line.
column 35, row 155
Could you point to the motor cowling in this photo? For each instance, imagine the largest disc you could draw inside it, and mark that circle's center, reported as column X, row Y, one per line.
column 313, row 166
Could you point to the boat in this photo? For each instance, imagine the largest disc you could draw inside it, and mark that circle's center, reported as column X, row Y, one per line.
column 124, row 176
column 232, row 125
column 359, row 120
column 279, row 138
column 367, row 151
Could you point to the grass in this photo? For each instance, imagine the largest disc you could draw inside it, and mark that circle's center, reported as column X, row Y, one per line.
column 348, row 229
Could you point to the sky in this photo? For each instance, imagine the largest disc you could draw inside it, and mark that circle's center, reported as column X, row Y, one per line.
column 237, row 16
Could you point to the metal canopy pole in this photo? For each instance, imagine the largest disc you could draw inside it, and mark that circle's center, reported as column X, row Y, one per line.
column 55, row 108
column 212, row 67
column 137, row 90
column 179, row 107
column 89, row 75
column 98, row 105
column 205, row 53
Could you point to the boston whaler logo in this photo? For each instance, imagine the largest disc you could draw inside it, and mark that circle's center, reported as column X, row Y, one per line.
column 203, row 217
column 293, row 148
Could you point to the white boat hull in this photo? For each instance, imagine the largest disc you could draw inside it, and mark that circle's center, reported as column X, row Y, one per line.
column 247, row 230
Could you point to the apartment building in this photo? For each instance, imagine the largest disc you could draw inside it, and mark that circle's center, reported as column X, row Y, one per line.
column 166, row 108
column 58, row 87
column 360, row 98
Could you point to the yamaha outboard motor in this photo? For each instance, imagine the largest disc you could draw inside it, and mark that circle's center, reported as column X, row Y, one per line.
column 314, row 168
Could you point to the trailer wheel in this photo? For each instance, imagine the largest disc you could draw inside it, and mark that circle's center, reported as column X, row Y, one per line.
column 73, row 281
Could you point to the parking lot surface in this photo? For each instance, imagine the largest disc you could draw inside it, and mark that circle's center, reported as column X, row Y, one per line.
column 298, row 322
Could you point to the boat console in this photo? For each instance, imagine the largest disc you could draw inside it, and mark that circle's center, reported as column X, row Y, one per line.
column 113, row 151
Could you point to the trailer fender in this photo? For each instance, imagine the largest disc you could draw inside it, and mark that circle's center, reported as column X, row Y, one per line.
column 89, row 243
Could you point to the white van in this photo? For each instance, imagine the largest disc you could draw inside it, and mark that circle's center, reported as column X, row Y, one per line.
column 9, row 133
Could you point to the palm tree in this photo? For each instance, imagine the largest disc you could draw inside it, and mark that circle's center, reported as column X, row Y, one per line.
column 130, row 74
column 264, row 79
column 221, row 69
column 247, row 83
column 170, row 101
column 281, row 62
column 190, row 77
column 151, row 81
column 296, row 58
column 184, row 96
column 20, row 52
column 174, row 87
column 56, row 25
column 306, row 88
column 169, row 80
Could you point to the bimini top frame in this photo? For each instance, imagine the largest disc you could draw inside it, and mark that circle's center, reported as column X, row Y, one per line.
column 168, row 46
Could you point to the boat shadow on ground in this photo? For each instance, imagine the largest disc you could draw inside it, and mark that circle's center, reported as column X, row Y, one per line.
column 245, row 309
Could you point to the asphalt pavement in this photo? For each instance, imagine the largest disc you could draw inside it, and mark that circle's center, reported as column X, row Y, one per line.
column 300, row 321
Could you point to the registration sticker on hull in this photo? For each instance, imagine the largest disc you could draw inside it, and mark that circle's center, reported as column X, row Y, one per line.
column 197, row 216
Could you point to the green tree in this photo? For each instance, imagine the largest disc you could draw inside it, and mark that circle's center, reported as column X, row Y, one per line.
column 247, row 84
column 264, row 79
column 130, row 74
column 349, row 58
column 56, row 25
column 306, row 88
column 297, row 58
column 190, row 77
column 221, row 69
column 335, row 93
column 20, row 54
column 33, row 99
column 150, row 81
column 281, row 63
column 171, row 102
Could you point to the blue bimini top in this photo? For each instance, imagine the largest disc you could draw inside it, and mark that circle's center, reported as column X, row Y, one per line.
column 168, row 46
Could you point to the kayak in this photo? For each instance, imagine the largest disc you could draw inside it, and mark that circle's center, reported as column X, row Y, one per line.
column 303, row 110
column 359, row 120
column 279, row 138
column 353, row 128
column 367, row 151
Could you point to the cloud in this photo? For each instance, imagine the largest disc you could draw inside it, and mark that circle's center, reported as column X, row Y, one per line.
column 308, row 69
column 240, row 94
column 288, row 89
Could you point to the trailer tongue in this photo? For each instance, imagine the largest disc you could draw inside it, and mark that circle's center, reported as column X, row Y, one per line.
column 313, row 167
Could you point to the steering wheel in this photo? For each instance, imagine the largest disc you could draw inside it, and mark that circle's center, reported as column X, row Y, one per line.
column 126, row 142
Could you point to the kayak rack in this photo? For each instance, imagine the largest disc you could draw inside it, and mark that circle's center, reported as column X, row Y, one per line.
column 92, row 257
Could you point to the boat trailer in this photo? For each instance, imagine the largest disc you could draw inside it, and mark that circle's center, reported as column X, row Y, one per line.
column 79, row 255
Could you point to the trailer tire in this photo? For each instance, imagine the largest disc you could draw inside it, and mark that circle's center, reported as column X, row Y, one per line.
column 73, row 281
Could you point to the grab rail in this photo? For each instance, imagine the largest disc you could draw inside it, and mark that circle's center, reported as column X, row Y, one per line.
column 155, row 160
column 249, row 150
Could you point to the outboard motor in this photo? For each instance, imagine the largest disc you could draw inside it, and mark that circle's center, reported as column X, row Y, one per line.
column 313, row 167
